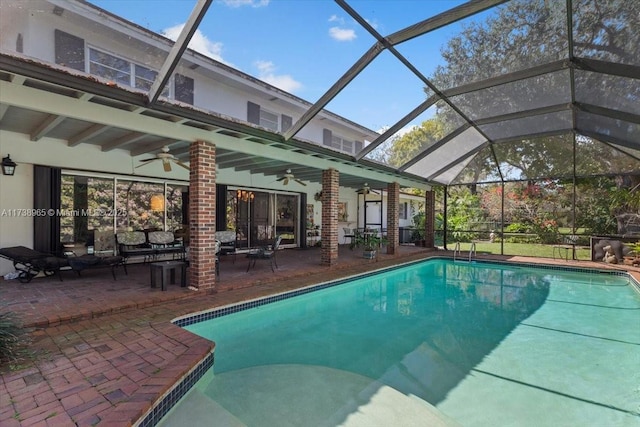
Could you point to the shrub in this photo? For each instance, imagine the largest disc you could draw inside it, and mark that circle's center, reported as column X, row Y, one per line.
column 547, row 231
column 517, row 227
column 12, row 339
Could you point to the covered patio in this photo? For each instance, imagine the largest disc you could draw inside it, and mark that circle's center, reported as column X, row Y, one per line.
column 47, row 301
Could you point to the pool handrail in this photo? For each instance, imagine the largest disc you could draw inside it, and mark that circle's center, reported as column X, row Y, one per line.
column 472, row 251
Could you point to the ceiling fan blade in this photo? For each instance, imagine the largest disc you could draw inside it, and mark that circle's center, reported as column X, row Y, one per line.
column 280, row 179
column 167, row 166
column 301, row 183
column 286, row 180
column 139, row 166
column 179, row 163
column 149, row 160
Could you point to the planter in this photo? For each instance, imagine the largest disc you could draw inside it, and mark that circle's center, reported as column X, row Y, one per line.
column 369, row 254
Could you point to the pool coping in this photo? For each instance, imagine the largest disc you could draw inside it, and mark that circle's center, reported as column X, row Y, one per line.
column 166, row 402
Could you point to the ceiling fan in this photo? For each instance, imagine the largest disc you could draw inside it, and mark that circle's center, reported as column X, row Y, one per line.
column 288, row 176
column 166, row 159
column 365, row 189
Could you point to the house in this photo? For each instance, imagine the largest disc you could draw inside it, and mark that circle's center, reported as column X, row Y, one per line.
column 94, row 155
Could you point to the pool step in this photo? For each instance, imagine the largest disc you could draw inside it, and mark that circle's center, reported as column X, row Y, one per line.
column 296, row 395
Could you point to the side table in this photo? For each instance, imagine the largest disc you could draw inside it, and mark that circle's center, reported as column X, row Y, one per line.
column 167, row 272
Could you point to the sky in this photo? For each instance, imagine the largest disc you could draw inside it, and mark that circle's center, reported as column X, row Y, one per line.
column 304, row 46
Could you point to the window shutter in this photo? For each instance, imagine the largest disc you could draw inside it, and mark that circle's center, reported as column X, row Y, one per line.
column 253, row 113
column 69, row 50
column 326, row 137
column 46, row 195
column 221, row 207
column 359, row 145
column 184, row 89
column 286, row 123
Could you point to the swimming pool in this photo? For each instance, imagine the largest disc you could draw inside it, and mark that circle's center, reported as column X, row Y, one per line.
column 432, row 343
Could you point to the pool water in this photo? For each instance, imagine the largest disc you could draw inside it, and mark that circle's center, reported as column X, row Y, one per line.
column 434, row 343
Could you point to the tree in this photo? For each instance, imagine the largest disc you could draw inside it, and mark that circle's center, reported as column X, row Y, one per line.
column 526, row 33
column 406, row 147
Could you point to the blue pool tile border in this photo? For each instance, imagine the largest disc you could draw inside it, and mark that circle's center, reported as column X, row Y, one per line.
column 172, row 397
column 182, row 387
column 223, row 311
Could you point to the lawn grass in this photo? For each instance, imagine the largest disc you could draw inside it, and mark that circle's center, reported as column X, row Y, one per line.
column 524, row 249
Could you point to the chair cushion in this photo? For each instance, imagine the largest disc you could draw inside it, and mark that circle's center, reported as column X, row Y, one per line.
column 227, row 236
column 131, row 238
column 161, row 237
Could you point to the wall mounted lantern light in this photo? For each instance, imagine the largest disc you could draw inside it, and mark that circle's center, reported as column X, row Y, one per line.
column 8, row 166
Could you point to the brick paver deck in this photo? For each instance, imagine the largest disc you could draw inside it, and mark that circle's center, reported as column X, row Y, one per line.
column 106, row 350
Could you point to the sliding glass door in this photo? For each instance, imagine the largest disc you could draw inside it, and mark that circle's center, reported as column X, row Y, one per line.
column 260, row 216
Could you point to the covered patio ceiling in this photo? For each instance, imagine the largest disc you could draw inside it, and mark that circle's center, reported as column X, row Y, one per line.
column 528, row 89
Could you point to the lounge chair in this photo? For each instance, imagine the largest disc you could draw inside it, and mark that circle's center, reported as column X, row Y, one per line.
column 29, row 263
column 264, row 253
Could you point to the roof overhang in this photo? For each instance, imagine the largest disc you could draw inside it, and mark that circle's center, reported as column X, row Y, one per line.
column 39, row 99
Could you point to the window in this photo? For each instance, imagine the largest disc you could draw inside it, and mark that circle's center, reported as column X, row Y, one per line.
column 110, row 67
column 122, row 71
column 265, row 118
column 268, row 119
column 403, row 210
column 342, row 144
column 339, row 143
column 144, row 77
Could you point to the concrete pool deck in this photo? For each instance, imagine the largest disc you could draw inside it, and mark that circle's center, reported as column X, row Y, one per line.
column 105, row 351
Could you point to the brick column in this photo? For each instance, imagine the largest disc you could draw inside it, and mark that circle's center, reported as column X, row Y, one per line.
column 202, row 215
column 329, row 233
column 393, row 223
column 430, row 219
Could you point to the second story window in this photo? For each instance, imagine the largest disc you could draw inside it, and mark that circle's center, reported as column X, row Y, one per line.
column 72, row 51
column 268, row 120
column 122, row 71
column 110, row 67
column 144, row 77
column 341, row 144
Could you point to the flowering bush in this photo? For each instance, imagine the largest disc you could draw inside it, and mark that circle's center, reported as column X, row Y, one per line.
column 546, row 230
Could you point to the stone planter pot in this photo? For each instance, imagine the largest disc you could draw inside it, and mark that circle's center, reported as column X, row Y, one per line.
column 369, row 254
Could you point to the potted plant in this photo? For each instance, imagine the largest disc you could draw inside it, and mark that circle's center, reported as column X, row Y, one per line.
column 370, row 244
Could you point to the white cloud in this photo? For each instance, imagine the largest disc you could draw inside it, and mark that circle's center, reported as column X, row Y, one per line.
column 342, row 34
column 400, row 133
column 240, row 3
column 265, row 67
column 266, row 72
column 336, row 18
column 199, row 42
column 405, row 130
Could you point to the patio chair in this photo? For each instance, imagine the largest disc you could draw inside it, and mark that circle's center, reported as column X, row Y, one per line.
column 348, row 234
column 569, row 243
column 264, row 253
